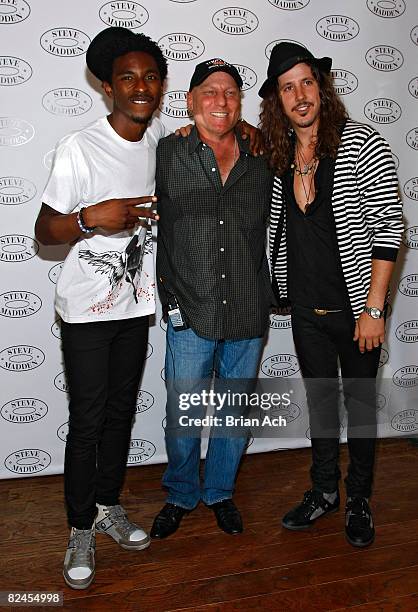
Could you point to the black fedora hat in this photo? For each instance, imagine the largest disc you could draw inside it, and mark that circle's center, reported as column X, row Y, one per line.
column 284, row 56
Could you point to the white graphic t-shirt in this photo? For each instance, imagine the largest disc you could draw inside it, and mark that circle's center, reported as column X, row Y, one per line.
column 90, row 166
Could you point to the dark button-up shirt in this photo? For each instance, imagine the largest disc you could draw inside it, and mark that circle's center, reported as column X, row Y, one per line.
column 211, row 237
column 315, row 278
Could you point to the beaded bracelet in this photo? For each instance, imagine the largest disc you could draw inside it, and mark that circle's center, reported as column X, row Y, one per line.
column 80, row 220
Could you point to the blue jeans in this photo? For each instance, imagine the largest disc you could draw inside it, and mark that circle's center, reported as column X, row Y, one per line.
column 189, row 364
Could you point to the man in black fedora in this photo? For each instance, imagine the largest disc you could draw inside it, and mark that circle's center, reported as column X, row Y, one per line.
column 336, row 225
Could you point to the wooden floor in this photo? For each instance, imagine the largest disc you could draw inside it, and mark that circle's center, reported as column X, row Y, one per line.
column 201, row 568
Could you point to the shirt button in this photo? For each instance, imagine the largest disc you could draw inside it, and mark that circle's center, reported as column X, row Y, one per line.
column 213, row 169
column 224, row 302
column 221, row 222
column 223, row 275
column 222, row 249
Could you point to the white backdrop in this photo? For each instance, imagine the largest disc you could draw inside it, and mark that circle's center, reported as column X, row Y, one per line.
column 46, row 92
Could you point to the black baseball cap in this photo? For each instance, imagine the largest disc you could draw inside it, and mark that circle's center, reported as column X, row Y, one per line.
column 205, row 69
column 284, row 56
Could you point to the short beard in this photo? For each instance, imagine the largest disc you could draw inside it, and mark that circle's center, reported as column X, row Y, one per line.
column 139, row 120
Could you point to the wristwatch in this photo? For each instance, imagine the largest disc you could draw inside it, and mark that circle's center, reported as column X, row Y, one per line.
column 374, row 312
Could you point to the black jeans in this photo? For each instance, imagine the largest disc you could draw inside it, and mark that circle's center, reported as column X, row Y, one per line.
column 103, row 362
column 319, row 342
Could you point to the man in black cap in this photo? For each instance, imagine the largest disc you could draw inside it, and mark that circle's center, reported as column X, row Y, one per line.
column 336, row 225
column 105, row 292
column 213, row 277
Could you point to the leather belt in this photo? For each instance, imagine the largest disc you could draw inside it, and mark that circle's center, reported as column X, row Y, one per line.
column 324, row 311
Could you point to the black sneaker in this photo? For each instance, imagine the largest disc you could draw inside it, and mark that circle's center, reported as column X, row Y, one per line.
column 312, row 507
column 359, row 528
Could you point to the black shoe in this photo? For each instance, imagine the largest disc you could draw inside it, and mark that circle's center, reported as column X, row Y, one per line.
column 359, row 528
column 312, row 507
column 228, row 516
column 167, row 521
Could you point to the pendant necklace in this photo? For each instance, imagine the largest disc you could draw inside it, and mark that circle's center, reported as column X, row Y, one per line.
column 308, row 169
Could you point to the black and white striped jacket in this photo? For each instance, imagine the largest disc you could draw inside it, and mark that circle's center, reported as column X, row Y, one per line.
column 367, row 211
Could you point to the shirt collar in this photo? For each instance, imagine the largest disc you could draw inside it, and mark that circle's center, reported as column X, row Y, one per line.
column 195, row 141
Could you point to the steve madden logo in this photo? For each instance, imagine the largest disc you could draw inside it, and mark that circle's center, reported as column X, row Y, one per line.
column 15, row 248
column 410, row 237
column 407, row 331
column 15, row 190
column 19, row 304
column 344, row 81
column 174, row 104
column 14, row 71
column 384, row 358
column 380, row 402
column 181, row 47
column 337, row 28
column 27, row 461
column 65, row 42
column 384, row 58
column 410, row 188
column 408, row 285
column 249, row 77
column 280, row 366
column 124, row 14
column 150, row 351
column 395, row 160
column 24, row 410
column 56, row 329
column 235, row 20
column 140, row 451
column 414, row 35
column 182, row 1
column 413, row 87
column 55, row 272
column 67, row 101
column 289, row 5
column 290, row 412
column 62, row 432
column 405, row 421
column 144, row 401
column 13, row 11
column 48, row 159
column 382, row 110
column 60, row 382
column 406, row 377
column 269, row 48
column 280, row 319
column 386, row 8
column 15, row 132
column 412, row 138
column 21, row 358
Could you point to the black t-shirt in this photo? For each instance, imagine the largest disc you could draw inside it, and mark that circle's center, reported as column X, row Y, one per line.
column 315, row 277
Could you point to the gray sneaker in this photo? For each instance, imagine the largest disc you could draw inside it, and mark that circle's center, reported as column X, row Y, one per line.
column 79, row 559
column 113, row 521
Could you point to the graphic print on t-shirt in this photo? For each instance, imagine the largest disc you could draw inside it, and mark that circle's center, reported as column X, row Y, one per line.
column 110, row 264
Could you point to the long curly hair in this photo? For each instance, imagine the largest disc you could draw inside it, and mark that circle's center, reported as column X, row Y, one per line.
column 279, row 141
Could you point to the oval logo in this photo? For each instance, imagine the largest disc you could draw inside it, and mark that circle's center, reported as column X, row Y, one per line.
column 150, row 350
column 345, row 82
column 181, row 47
column 56, row 329
column 13, row 11
column 124, row 14
column 406, row 377
column 395, row 160
column 337, row 28
column 140, row 451
column 384, row 58
column 410, row 237
column 183, row 1
column 290, row 412
column 407, row 331
column 409, row 285
column 19, row 304
column 280, row 366
column 21, row 358
column 13, row 70
column 15, row 132
column 273, row 43
column 380, row 402
column 144, row 401
column 27, row 461
column 62, row 431
column 15, row 248
column 163, row 324
column 235, row 20
column 174, row 104
column 280, row 319
column 386, row 8
column 65, row 42
column 382, row 110
column 413, row 87
column 249, row 77
column 60, row 382
column 24, row 410
column 411, row 188
column 384, row 357
column 67, row 102
column 405, row 421
column 48, row 159
column 54, row 272
column 414, row 35
column 15, row 190
column 289, row 5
